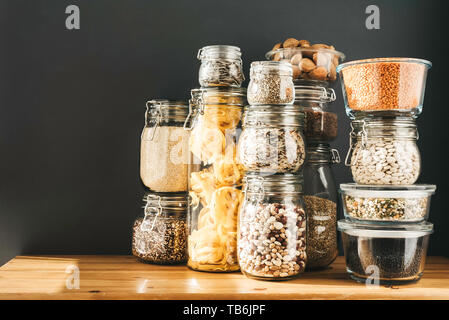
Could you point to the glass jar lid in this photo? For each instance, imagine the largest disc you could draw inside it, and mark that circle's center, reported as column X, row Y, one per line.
column 166, row 204
column 282, row 68
column 219, row 52
column 388, row 191
column 322, row 153
column 393, row 230
column 167, row 109
column 385, row 127
column 232, row 97
column 273, row 184
column 262, row 115
column 317, row 94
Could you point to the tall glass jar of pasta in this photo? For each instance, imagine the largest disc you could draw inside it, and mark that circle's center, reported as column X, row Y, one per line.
column 215, row 178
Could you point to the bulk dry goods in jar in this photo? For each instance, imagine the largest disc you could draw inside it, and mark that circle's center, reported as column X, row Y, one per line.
column 384, row 151
column 272, row 227
column 160, row 233
column 215, row 178
column 272, row 140
column 221, row 65
column 320, row 124
column 164, row 146
column 320, row 197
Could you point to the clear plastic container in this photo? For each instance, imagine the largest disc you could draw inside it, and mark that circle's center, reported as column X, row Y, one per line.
column 386, row 203
column 164, row 146
column 384, row 85
column 221, row 65
column 389, row 254
column 271, row 83
column 314, row 64
column 272, row 228
column 215, row 178
column 160, row 233
column 320, row 197
column 320, row 125
column 272, row 140
column 383, row 150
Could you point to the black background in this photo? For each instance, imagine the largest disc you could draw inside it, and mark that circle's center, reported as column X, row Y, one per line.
column 72, row 101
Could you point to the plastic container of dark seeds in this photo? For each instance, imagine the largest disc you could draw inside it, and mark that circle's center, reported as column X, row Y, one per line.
column 386, row 203
column 386, row 254
column 160, row 233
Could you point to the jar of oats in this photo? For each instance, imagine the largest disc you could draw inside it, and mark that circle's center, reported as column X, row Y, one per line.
column 384, row 151
column 221, row 65
column 272, row 227
column 272, row 140
column 271, row 83
column 164, row 146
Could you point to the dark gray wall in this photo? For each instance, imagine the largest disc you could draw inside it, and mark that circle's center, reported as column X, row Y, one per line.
column 72, row 102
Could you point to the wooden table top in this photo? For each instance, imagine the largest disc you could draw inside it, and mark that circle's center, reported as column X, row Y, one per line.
column 123, row 277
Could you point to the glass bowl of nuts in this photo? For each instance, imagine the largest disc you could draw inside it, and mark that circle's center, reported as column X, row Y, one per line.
column 384, row 86
column 311, row 63
column 386, row 204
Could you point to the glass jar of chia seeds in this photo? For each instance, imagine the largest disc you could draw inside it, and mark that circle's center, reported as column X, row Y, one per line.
column 320, row 196
column 272, row 227
column 164, row 146
column 215, row 178
column 221, row 65
column 320, row 124
column 272, row 140
column 383, row 150
column 160, row 233
column 271, row 83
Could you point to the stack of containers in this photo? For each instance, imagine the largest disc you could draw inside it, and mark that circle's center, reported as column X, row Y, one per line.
column 214, row 175
column 271, row 149
column 159, row 233
column 314, row 71
column 385, row 234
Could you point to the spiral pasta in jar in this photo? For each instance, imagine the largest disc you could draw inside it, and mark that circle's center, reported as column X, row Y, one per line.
column 385, row 152
column 272, row 140
column 272, row 228
column 215, row 179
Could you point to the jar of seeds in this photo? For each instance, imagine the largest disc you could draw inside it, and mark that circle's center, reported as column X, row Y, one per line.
column 383, row 150
column 160, row 234
column 320, row 197
column 272, row 228
column 272, row 140
column 271, row 83
column 221, row 65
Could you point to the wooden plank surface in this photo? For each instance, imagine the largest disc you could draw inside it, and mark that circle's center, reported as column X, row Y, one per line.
column 123, row 277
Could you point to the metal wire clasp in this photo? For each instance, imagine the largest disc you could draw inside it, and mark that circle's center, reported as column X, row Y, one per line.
column 149, row 209
column 153, row 120
column 193, row 107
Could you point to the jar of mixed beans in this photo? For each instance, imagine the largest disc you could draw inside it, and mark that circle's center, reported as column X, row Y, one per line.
column 272, row 227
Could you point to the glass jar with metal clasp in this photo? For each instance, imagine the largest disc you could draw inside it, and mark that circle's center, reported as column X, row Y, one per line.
column 160, row 233
column 320, row 196
column 215, row 178
column 221, row 65
column 164, row 146
column 272, row 227
column 383, row 151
